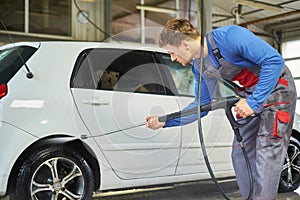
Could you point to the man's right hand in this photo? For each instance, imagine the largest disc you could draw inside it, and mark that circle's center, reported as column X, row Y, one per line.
column 153, row 123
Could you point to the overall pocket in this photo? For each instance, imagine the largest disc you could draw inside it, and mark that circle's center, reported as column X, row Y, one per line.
column 282, row 118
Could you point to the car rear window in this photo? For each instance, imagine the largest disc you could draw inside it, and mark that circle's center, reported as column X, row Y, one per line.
column 119, row 70
column 12, row 59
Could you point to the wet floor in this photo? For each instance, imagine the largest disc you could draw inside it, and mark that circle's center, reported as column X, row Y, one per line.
column 204, row 190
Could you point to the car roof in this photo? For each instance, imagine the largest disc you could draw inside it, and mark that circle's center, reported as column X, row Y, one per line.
column 31, row 44
column 116, row 45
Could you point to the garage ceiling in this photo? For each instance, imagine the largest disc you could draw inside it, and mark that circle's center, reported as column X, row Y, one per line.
column 275, row 20
column 270, row 16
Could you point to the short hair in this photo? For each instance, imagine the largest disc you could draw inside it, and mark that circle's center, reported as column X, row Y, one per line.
column 177, row 30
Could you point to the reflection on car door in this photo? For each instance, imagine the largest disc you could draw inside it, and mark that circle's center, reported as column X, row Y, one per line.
column 114, row 89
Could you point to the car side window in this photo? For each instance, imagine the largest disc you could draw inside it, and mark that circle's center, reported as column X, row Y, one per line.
column 185, row 83
column 182, row 75
column 226, row 89
column 118, row 70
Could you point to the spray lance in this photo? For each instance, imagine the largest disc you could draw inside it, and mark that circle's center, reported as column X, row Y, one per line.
column 218, row 104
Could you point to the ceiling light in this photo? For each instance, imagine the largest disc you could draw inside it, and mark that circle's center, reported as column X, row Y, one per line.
column 82, row 17
column 156, row 9
column 91, row 1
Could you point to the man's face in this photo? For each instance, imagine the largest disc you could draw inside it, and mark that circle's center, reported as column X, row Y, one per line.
column 180, row 54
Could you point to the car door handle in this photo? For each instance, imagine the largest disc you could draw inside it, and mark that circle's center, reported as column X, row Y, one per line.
column 95, row 102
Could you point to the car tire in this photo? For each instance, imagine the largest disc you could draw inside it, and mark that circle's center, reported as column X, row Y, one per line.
column 290, row 175
column 54, row 173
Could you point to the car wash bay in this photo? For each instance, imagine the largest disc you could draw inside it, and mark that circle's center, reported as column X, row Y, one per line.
column 186, row 191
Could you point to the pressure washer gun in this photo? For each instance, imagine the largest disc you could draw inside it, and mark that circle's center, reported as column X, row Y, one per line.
column 222, row 103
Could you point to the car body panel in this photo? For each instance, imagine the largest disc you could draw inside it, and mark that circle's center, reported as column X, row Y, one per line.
column 14, row 142
column 137, row 152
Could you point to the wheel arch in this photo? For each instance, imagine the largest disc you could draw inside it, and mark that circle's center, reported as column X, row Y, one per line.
column 296, row 134
column 284, row 186
column 59, row 140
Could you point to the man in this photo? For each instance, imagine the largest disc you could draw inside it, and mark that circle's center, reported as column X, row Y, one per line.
column 268, row 90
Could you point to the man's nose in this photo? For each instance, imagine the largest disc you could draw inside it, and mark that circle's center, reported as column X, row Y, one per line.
column 173, row 58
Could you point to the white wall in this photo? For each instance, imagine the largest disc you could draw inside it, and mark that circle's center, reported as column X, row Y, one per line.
column 292, row 50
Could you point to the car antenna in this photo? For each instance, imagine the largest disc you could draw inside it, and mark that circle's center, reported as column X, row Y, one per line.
column 29, row 74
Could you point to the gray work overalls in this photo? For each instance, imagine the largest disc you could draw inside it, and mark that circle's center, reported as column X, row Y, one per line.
column 266, row 137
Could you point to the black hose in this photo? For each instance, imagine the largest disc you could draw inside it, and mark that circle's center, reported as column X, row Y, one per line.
column 236, row 130
column 201, row 138
column 235, row 126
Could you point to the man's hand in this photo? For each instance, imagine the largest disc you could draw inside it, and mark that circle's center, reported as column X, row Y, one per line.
column 243, row 109
column 153, row 123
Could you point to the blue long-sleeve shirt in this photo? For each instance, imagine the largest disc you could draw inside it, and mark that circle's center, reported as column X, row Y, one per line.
column 240, row 47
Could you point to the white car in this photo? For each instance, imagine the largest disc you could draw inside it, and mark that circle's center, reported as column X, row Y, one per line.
column 72, row 122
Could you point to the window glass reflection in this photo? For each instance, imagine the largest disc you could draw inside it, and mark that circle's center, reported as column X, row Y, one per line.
column 12, row 15
column 50, row 17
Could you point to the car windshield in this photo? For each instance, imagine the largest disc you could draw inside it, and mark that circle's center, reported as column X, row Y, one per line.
column 12, row 59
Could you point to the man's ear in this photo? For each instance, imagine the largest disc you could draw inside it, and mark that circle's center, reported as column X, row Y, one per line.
column 185, row 44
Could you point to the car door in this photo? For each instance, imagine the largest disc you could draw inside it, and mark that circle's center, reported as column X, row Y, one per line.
column 218, row 137
column 115, row 89
column 216, row 128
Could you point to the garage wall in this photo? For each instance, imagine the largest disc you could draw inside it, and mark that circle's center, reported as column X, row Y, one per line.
column 26, row 20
